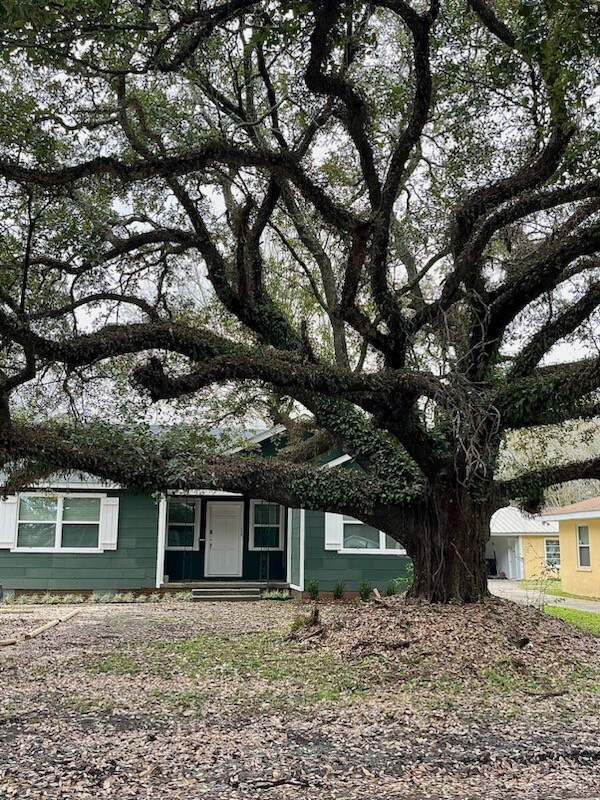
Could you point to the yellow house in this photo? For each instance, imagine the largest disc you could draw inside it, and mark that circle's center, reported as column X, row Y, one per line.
column 522, row 546
column 579, row 533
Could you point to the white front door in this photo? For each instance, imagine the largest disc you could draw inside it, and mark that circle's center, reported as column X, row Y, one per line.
column 224, row 540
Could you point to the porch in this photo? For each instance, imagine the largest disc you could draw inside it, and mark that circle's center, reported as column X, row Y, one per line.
column 219, row 541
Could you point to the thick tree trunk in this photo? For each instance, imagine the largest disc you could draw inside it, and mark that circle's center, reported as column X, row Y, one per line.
column 448, row 550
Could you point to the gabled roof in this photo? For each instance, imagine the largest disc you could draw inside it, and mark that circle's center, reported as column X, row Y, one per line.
column 586, row 508
column 510, row 520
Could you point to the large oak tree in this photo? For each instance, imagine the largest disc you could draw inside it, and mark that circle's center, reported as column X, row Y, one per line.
column 383, row 214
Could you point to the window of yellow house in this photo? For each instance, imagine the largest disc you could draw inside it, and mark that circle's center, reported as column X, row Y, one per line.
column 552, row 553
column 583, row 546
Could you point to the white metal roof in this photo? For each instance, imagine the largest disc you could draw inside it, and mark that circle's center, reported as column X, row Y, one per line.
column 510, row 520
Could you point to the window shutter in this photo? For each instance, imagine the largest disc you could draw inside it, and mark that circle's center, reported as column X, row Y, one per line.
column 109, row 522
column 334, row 531
column 9, row 510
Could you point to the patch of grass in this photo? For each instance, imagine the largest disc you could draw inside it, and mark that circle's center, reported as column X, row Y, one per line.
column 586, row 620
column 115, row 664
column 502, row 676
column 90, row 705
column 189, row 702
column 281, row 673
column 551, row 586
column 258, row 669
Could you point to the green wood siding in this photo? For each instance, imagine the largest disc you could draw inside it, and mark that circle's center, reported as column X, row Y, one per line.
column 295, row 553
column 131, row 566
column 327, row 566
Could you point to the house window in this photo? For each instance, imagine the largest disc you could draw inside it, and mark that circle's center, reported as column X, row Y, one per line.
column 360, row 536
column 181, row 530
column 583, row 546
column 266, row 526
column 552, row 553
column 62, row 522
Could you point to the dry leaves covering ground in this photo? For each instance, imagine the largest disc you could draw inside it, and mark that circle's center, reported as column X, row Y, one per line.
column 169, row 701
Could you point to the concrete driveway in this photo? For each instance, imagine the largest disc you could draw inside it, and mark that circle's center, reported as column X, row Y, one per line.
column 511, row 590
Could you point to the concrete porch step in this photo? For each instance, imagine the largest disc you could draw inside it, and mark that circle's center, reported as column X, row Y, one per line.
column 226, row 586
column 226, row 590
column 231, row 593
column 228, row 598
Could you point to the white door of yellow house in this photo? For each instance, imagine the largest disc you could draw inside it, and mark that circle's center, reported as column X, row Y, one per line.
column 224, row 540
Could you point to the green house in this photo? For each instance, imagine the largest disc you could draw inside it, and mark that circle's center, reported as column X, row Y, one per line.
column 81, row 535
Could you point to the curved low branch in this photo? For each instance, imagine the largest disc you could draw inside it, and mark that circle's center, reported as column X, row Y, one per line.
column 523, row 485
column 220, row 359
column 146, row 464
column 287, row 373
column 116, row 340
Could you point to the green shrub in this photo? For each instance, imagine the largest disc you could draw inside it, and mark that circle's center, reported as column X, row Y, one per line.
column 394, row 587
column 312, row 587
column 365, row 589
column 338, row 589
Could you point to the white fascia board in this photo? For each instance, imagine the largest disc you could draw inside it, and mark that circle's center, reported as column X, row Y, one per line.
column 84, row 485
column 201, row 493
column 337, row 462
column 578, row 515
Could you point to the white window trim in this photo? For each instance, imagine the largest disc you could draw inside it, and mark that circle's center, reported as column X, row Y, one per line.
column 373, row 551
column 583, row 568
column 60, row 496
column 197, row 515
column 551, row 539
column 251, row 546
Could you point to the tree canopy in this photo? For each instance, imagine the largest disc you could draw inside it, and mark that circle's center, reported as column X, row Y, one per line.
column 384, row 215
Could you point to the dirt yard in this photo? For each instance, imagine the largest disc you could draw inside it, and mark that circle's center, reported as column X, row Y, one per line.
column 175, row 700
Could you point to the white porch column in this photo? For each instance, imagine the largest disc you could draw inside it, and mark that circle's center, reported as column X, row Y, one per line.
column 161, row 541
